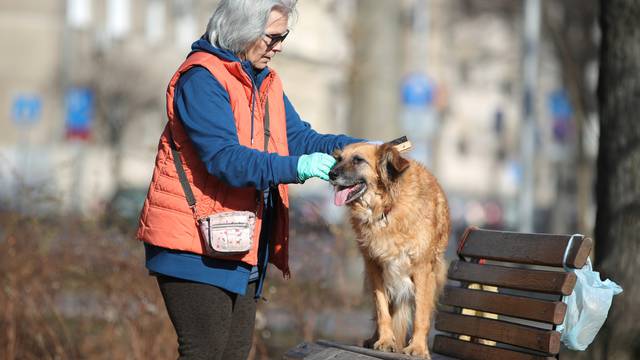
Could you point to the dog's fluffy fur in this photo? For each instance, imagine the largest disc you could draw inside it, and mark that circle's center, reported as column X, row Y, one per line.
column 401, row 219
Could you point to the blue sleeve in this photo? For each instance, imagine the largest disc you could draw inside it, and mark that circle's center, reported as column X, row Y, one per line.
column 203, row 105
column 303, row 139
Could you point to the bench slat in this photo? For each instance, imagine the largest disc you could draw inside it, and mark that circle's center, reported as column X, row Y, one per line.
column 547, row 341
column 551, row 312
column 472, row 351
column 536, row 249
column 550, row 282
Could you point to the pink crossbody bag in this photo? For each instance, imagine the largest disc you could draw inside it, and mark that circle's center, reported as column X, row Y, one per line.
column 228, row 232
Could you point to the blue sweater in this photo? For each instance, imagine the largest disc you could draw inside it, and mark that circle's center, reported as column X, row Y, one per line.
column 203, row 106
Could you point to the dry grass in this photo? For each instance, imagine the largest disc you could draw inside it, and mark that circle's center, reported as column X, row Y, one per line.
column 72, row 289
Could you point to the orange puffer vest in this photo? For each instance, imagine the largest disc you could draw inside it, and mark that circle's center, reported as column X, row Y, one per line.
column 166, row 219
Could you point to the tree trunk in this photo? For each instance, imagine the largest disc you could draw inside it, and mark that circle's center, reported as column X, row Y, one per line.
column 375, row 77
column 617, row 232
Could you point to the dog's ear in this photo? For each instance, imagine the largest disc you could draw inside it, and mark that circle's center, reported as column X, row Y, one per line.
column 337, row 154
column 390, row 164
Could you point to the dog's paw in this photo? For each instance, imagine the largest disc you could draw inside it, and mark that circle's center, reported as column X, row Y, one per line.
column 369, row 342
column 386, row 344
column 418, row 350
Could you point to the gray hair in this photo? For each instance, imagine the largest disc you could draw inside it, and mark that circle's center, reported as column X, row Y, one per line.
column 236, row 24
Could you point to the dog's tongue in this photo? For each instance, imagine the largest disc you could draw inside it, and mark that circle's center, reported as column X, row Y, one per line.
column 342, row 195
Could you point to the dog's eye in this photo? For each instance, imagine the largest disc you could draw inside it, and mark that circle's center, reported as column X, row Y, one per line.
column 357, row 160
column 338, row 158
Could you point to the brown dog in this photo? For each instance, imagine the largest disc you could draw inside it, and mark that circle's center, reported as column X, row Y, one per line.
column 401, row 219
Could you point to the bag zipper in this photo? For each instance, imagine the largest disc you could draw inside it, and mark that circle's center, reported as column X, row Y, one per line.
column 219, row 226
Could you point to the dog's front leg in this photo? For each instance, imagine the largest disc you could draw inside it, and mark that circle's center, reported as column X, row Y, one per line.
column 386, row 341
column 425, row 283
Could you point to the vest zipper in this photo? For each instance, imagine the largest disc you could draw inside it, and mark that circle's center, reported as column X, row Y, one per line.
column 253, row 107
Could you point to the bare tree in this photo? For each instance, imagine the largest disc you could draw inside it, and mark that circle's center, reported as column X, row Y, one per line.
column 126, row 88
column 570, row 25
column 375, row 80
column 618, row 217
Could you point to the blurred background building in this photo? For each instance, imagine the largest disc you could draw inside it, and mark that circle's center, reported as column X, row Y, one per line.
column 83, row 100
column 85, row 83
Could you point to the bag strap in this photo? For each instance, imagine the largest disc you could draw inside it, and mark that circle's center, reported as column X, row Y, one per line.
column 184, row 182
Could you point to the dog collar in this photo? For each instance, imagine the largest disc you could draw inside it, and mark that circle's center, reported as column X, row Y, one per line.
column 384, row 219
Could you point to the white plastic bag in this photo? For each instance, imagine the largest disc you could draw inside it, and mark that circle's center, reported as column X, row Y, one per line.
column 587, row 308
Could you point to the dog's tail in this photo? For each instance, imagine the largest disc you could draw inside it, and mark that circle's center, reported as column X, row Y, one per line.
column 440, row 270
column 442, row 233
column 402, row 321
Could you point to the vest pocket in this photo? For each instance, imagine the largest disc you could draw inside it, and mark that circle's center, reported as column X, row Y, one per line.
column 211, row 192
column 235, row 199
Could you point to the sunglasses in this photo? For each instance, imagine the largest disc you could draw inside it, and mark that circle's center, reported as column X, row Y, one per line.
column 275, row 39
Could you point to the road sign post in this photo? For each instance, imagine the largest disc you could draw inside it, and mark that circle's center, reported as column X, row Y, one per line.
column 419, row 117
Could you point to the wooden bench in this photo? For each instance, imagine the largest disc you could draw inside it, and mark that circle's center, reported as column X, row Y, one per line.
column 328, row 350
column 507, row 296
column 504, row 295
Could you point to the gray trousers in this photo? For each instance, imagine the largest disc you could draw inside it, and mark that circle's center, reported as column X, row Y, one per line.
column 211, row 323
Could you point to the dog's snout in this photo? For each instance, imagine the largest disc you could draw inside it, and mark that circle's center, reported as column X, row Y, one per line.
column 333, row 174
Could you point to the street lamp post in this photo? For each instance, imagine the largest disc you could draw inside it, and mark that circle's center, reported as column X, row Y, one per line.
column 528, row 127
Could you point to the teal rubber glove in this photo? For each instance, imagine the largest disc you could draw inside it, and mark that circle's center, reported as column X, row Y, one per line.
column 315, row 165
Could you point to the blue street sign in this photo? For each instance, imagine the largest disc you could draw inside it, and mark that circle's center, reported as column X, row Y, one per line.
column 560, row 105
column 26, row 109
column 562, row 114
column 417, row 90
column 79, row 103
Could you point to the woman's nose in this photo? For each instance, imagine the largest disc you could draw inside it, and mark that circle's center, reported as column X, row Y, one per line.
column 277, row 47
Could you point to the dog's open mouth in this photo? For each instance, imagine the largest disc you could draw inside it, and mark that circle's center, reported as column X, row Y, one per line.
column 346, row 194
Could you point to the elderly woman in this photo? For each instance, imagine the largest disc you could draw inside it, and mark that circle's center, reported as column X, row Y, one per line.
column 232, row 142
